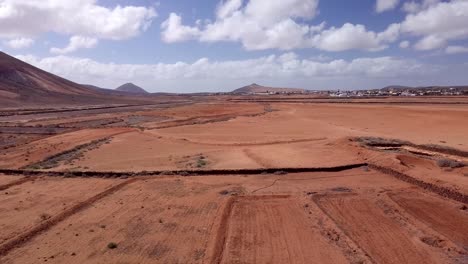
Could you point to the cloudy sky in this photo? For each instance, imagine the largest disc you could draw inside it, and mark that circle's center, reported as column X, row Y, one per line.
column 218, row 45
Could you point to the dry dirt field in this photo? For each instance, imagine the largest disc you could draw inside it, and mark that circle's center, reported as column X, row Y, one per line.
column 237, row 180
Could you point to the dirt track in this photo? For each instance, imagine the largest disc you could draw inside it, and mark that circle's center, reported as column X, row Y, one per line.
column 237, row 182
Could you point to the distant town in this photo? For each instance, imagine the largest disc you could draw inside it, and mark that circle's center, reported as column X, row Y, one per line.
column 403, row 91
column 383, row 92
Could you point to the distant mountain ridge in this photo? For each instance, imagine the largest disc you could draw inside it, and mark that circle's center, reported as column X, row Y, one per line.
column 131, row 88
column 256, row 88
column 22, row 84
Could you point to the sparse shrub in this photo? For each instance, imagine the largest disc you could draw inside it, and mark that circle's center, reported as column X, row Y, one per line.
column 449, row 163
column 112, row 245
column 341, row 189
column 44, row 216
column 68, row 174
column 378, row 141
column 201, row 163
column 199, row 254
column 184, row 173
column 35, row 167
column 280, row 172
column 224, row 192
column 50, row 131
column 432, row 241
column 444, row 149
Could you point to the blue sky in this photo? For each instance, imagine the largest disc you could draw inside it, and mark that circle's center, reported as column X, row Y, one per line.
column 213, row 45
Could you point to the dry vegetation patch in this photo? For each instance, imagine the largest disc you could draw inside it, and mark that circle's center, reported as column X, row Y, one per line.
column 67, row 156
column 449, row 163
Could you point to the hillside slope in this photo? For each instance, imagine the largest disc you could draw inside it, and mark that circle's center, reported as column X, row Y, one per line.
column 22, row 84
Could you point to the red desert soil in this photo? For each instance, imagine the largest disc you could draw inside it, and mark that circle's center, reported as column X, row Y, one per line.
column 157, row 152
column 165, row 221
column 6, row 180
column 394, row 205
column 254, row 221
column 26, row 205
column 423, row 168
column 38, row 150
column 447, row 219
column 364, row 222
column 295, row 136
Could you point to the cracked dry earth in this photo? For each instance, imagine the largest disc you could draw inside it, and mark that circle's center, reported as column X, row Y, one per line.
column 395, row 205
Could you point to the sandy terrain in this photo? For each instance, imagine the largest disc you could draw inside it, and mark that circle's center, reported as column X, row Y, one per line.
column 379, row 233
column 6, row 180
column 41, row 149
column 183, row 219
column 215, row 180
column 437, row 214
column 255, row 220
column 39, row 199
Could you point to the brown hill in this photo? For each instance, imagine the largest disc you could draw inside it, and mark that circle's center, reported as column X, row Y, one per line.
column 131, row 88
column 255, row 88
column 22, row 84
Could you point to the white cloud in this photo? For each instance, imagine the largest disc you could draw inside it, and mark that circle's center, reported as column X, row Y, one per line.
column 22, row 18
column 258, row 25
column 429, row 43
column 174, row 31
column 385, row 5
column 411, row 7
column 286, row 66
column 404, row 44
column 227, row 7
column 261, row 25
column 76, row 42
column 391, row 34
column 351, row 36
column 269, row 12
column 438, row 24
column 19, row 43
column 456, row 49
column 417, row 6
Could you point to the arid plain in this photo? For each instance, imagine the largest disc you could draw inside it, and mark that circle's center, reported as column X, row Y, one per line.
column 226, row 179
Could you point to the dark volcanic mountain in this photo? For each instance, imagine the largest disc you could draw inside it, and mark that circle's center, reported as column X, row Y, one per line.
column 255, row 88
column 131, row 88
column 22, row 84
